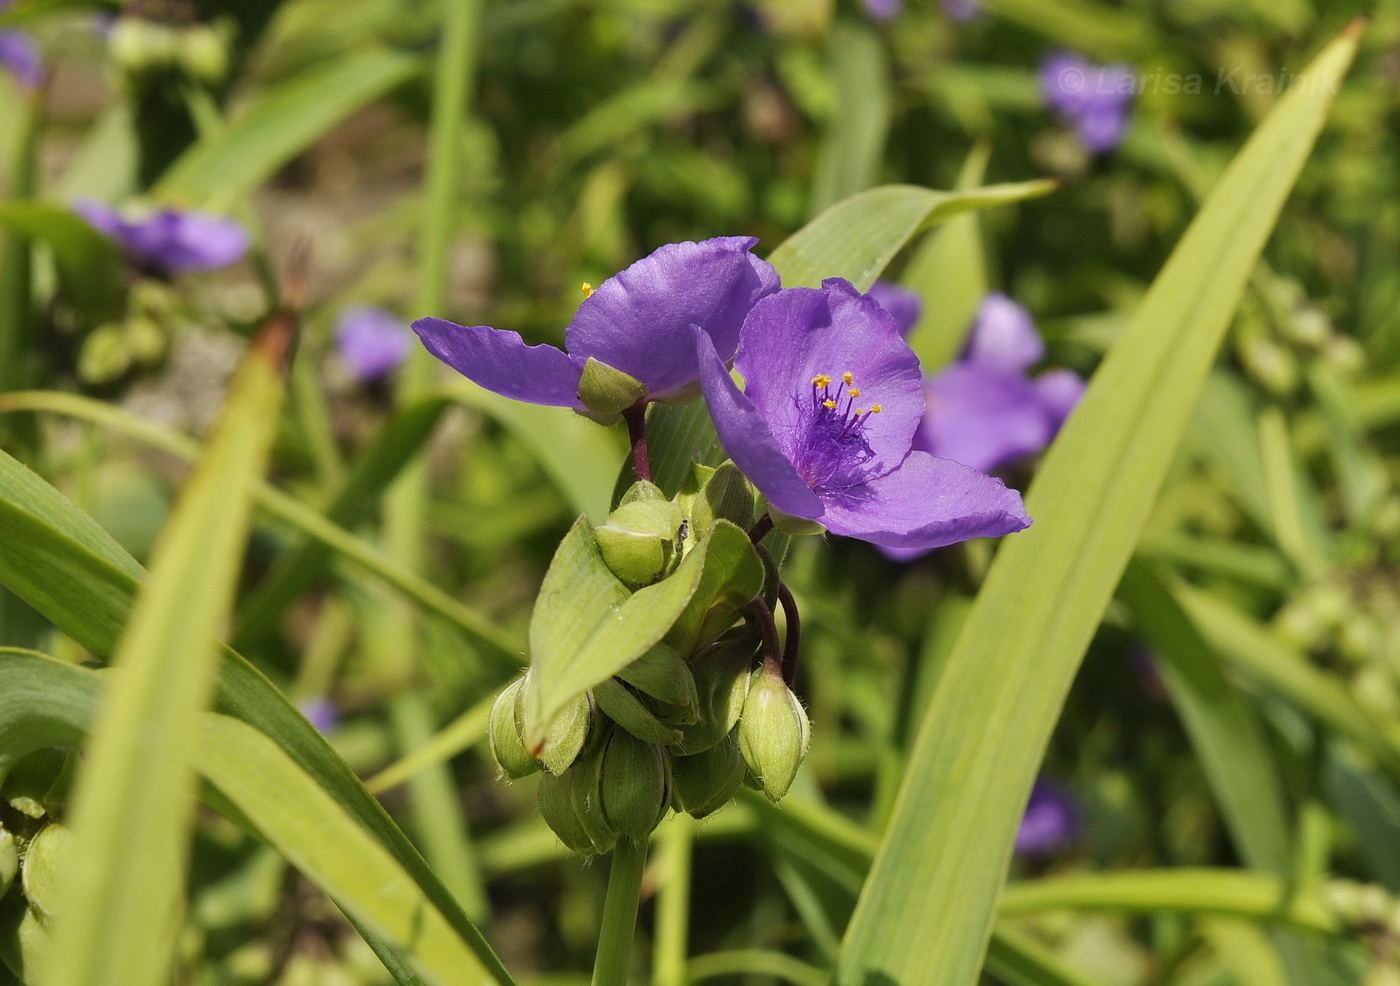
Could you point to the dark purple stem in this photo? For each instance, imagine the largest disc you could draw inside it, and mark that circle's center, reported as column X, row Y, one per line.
column 760, row 612
column 636, row 418
column 760, row 530
column 793, row 642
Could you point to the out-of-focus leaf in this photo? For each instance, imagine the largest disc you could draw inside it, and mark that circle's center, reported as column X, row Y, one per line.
column 89, row 268
column 848, row 158
column 926, row 912
column 1018, row 960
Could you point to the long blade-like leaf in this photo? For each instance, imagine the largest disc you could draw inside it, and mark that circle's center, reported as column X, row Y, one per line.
column 927, row 910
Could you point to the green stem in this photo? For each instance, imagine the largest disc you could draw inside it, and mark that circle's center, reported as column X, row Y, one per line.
column 673, row 903
column 620, row 913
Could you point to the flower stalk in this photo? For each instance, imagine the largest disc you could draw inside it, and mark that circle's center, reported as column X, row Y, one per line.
column 620, row 913
column 636, row 419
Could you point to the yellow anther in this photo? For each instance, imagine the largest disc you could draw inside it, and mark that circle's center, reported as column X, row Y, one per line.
column 860, row 411
column 829, row 405
column 854, row 391
column 587, row 290
column 848, row 378
column 821, row 380
column 876, row 408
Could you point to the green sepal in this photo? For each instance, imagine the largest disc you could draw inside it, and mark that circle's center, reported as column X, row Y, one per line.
column 732, row 577
column 704, row 782
column 506, row 733
column 43, row 867
column 726, row 495
column 625, row 709
column 606, row 391
column 641, row 540
column 662, row 674
column 722, row 680
column 567, row 733
column 634, row 784
column 9, row 860
column 789, row 524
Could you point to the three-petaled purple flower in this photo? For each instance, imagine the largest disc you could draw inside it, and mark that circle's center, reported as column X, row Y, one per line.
column 168, row 241
column 1096, row 100
column 984, row 410
column 371, row 341
column 19, row 55
column 825, row 425
column 1051, row 820
column 639, row 322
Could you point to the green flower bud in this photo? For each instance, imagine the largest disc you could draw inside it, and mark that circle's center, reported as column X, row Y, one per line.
column 566, row 735
column 641, row 540
column 642, row 490
column 138, row 45
column 570, row 806
column 607, row 391
column 1271, row 365
column 43, row 867
column 24, row 945
column 634, row 786
column 103, row 355
column 624, row 708
column 203, row 54
column 145, row 340
column 789, row 524
column 663, row 674
column 507, row 737
column 722, row 683
column 706, row 781
column 773, row 733
column 726, row 496
column 9, row 860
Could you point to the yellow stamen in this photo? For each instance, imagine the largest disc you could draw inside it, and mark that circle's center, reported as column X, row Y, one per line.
column 829, row 405
column 854, row 391
column 876, row 408
column 860, row 411
column 821, row 380
column 587, row 290
column 848, row 378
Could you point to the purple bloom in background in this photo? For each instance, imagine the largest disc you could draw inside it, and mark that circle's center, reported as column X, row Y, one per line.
column 825, row 425
column 169, row 241
column 19, row 54
column 1097, row 100
column 903, row 304
column 371, row 341
column 1051, row 820
column 321, row 712
column 883, row 10
column 638, row 321
column 984, row 410
column 962, row 11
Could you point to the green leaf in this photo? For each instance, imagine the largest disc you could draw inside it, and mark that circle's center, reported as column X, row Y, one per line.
column 848, row 159
column 586, row 626
column 89, row 267
column 926, row 912
column 731, row 577
column 278, row 124
column 1018, row 960
column 133, row 801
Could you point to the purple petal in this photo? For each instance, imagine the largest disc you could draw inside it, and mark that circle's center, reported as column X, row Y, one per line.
column 197, row 241
column 371, row 341
column 1102, row 128
column 983, row 419
column 1059, row 391
column 19, row 53
column 801, row 333
column 1064, row 81
column 1050, row 821
column 926, row 503
column 501, row 362
column 321, row 712
column 903, row 304
column 747, row 438
column 102, row 218
column 638, row 321
column 883, row 10
column 962, row 11
column 1003, row 337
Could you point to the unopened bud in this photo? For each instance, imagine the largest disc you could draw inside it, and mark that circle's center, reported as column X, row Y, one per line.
column 643, row 489
column 620, row 705
column 103, row 355
column 665, row 676
column 1344, row 353
column 43, row 867
column 507, row 738
column 9, row 860
column 706, row 781
column 727, row 495
column 139, row 45
column 569, row 805
column 722, row 683
column 607, row 391
column 203, row 54
column 566, row 735
column 773, row 733
column 641, row 540
column 1271, row 365
column 25, row 947
column 634, row 784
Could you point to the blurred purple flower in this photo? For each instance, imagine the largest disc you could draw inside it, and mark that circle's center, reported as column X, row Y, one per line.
column 983, row 410
column 371, row 341
column 906, row 306
column 638, row 321
column 169, row 241
column 883, row 10
column 1051, row 820
column 321, row 712
column 19, row 55
column 1096, row 100
column 825, row 425
column 962, row 11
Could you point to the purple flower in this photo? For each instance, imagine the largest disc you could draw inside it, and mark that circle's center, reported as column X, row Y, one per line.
column 1096, row 100
column 19, row 54
column 906, row 306
column 639, row 321
column 883, row 10
column 371, row 341
column 321, row 712
column 825, row 425
column 1051, row 820
column 962, row 11
column 983, row 410
column 169, row 241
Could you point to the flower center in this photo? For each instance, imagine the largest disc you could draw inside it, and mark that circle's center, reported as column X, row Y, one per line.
column 832, row 447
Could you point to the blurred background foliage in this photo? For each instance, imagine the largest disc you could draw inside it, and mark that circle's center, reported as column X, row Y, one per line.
column 597, row 131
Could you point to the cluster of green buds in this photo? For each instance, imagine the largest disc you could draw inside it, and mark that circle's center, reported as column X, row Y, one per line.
column 1279, row 330
column 34, row 846
column 138, row 341
column 684, row 724
column 141, row 47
